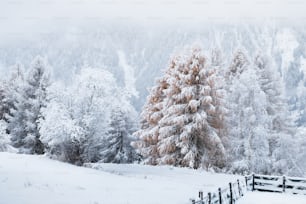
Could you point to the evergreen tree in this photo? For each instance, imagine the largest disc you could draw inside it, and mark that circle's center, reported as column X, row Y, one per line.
column 281, row 130
column 186, row 133
column 30, row 99
column 9, row 91
column 5, row 139
column 150, row 116
column 247, row 119
column 118, row 139
column 3, row 104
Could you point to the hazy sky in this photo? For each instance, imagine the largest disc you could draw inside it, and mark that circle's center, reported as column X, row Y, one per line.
column 16, row 15
column 24, row 19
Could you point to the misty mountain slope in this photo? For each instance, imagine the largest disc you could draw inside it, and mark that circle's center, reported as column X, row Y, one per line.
column 147, row 50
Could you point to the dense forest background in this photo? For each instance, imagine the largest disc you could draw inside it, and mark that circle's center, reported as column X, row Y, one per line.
column 81, row 94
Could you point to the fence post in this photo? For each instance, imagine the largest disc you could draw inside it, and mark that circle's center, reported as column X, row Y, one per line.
column 220, row 196
column 201, row 195
column 239, row 189
column 284, row 184
column 231, row 193
column 246, row 182
column 209, row 198
column 253, row 183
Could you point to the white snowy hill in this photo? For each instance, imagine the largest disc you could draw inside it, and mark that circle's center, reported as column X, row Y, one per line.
column 32, row 179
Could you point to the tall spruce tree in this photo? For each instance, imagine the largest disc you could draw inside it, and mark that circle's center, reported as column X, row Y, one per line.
column 117, row 148
column 281, row 131
column 31, row 98
column 9, row 90
column 247, row 119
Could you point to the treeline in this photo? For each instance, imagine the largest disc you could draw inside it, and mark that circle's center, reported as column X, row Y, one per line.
column 90, row 120
column 204, row 112
column 223, row 115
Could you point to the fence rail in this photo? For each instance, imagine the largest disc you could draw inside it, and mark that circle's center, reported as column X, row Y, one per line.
column 225, row 195
column 255, row 182
column 277, row 184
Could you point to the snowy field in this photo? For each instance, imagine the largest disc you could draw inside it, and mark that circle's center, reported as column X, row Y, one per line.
column 271, row 198
column 31, row 179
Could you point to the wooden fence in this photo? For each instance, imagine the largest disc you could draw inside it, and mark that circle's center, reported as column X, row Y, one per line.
column 254, row 182
column 226, row 195
column 277, row 184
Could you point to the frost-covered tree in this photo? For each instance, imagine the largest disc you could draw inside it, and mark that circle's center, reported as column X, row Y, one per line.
column 31, row 98
column 5, row 142
column 3, row 104
column 247, row 119
column 150, row 116
column 238, row 64
column 117, row 143
column 93, row 93
column 281, row 131
column 186, row 133
column 59, row 131
column 9, row 91
column 79, row 125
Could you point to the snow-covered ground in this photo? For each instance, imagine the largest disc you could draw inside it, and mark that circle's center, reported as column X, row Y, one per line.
column 272, row 198
column 30, row 179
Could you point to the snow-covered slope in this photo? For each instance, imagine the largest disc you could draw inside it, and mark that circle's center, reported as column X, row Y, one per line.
column 271, row 198
column 30, row 179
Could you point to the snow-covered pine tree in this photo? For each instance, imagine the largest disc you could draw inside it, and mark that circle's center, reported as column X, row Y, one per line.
column 152, row 112
column 117, row 143
column 3, row 104
column 247, row 119
column 30, row 100
column 9, row 91
column 281, row 131
column 5, row 141
column 186, row 136
column 4, row 137
column 218, row 121
column 238, row 65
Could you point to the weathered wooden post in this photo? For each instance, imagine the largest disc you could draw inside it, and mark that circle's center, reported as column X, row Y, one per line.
column 209, row 198
column 246, row 182
column 201, row 195
column 253, row 183
column 284, row 184
column 239, row 189
column 231, row 193
column 220, row 196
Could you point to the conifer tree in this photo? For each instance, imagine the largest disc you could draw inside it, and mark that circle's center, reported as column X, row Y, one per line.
column 150, row 116
column 4, row 138
column 247, row 119
column 9, row 91
column 281, row 131
column 186, row 135
column 117, row 148
column 30, row 99
column 3, row 106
